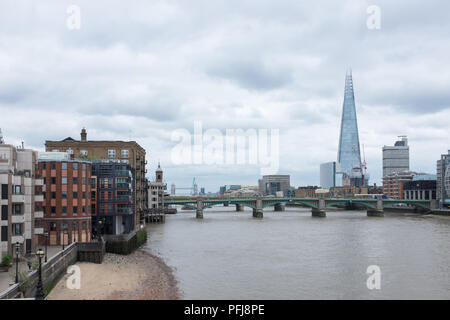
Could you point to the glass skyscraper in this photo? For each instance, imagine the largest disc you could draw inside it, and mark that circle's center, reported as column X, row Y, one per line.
column 349, row 155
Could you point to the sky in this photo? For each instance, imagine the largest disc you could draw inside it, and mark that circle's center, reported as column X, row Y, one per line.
column 142, row 70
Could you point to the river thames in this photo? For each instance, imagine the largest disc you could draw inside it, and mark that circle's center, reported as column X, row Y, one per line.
column 290, row 255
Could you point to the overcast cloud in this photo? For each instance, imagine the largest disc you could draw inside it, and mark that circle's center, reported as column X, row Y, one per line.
column 140, row 69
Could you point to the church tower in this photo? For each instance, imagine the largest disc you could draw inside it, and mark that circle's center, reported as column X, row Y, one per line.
column 159, row 174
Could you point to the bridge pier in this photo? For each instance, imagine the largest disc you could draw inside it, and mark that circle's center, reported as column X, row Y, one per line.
column 199, row 214
column 258, row 212
column 239, row 207
column 280, row 207
column 320, row 211
column 378, row 212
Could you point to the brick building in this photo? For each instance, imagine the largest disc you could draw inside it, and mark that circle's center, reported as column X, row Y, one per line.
column 67, row 200
column 393, row 183
column 127, row 152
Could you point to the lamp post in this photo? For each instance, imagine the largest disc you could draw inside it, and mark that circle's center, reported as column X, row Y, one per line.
column 99, row 227
column 39, row 289
column 46, row 242
column 17, row 261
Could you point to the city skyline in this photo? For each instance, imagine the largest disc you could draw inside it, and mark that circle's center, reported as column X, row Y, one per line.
column 106, row 78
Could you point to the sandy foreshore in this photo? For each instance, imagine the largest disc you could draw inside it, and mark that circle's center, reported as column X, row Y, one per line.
column 138, row 276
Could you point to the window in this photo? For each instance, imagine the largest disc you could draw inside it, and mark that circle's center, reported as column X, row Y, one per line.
column 111, row 154
column 4, row 233
column 69, row 151
column 53, row 210
column 64, row 209
column 64, row 226
column 44, row 165
column 124, row 153
column 53, row 195
column 83, row 209
column 84, row 195
column 83, row 180
column 92, row 183
column 52, row 226
column 75, row 180
column 53, row 180
column 53, row 165
column 83, row 167
column 75, row 209
column 64, row 180
column 83, row 225
column 64, row 166
column 74, row 226
column 4, row 191
column 17, row 209
column 84, row 152
column 4, row 212
column 75, row 166
column 17, row 229
column 17, row 190
column 75, row 195
column 64, row 194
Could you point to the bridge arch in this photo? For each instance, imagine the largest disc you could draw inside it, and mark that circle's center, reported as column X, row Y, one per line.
column 311, row 205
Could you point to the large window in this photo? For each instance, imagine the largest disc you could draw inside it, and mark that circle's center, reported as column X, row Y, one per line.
column 124, row 153
column 64, row 180
column 17, row 229
column 64, row 209
column 52, row 226
column 64, row 166
column 75, row 180
column 4, row 191
column 84, row 152
column 4, row 212
column 75, row 166
column 111, row 154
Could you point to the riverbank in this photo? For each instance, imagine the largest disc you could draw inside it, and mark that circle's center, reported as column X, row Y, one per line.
column 138, row 276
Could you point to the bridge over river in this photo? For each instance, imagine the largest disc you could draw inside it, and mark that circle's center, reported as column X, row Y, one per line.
column 375, row 207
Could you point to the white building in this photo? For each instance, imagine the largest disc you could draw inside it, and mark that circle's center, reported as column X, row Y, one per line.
column 396, row 157
column 20, row 200
column 156, row 189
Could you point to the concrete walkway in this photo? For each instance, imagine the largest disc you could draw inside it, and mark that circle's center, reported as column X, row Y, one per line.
column 8, row 278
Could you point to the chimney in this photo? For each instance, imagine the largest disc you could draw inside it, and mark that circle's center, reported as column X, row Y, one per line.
column 83, row 134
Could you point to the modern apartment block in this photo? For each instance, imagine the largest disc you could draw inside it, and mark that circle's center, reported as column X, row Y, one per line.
column 115, row 197
column 127, row 152
column 20, row 200
column 421, row 187
column 156, row 189
column 67, row 199
column 443, row 180
column 271, row 184
column 396, row 157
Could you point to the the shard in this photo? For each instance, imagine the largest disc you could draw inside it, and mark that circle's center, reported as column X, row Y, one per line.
column 349, row 156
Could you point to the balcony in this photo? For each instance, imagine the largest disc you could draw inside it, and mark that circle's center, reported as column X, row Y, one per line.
column 39, row 198
column 38, row 230
column 18, row 218
column 18, row 198
column 39, row 214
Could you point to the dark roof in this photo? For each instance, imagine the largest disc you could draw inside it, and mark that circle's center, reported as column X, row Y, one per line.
column 68, row 139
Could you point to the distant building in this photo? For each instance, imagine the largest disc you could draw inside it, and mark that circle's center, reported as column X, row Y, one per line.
column 156, row 189
column 126, row 152
column 20, row 200
column 348, row 192
column 229, row 188
column 271, row 184
column 115, row 197
column 421, row 187
column 306, row 192
column 67, row 201
column 393, row 183
column 328, row 174
column 396, row 158
column 443, row 180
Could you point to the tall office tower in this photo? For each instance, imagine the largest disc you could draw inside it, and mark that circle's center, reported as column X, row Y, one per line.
column 349, row 155
column 443, row 180
column 396, row 158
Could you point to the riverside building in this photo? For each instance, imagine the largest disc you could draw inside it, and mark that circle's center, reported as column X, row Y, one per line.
column 67, row 200
column 126, row 152
column 20, row 200
column 396, row 157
